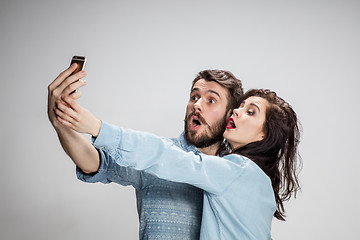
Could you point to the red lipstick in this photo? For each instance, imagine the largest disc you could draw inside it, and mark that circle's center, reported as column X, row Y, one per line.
column 231, row 123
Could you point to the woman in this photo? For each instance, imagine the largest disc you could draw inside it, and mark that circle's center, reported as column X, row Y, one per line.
column 244, row 189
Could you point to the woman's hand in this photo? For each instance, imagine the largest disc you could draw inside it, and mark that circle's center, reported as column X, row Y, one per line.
column 71, row 114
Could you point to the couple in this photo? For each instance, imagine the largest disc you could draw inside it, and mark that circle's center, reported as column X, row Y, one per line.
column 243, row 190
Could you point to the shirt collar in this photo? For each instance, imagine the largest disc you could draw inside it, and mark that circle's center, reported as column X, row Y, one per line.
column 186, row 146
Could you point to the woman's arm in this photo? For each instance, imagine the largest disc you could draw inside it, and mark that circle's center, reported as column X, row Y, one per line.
column 155, row 155
column 160, row 157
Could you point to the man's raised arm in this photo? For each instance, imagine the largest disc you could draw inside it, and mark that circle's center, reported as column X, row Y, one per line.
column 80, row 150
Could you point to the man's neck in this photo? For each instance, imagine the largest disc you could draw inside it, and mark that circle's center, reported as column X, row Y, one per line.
column 210, row 150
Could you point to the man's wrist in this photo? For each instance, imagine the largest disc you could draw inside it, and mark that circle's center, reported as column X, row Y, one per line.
column 59, row 128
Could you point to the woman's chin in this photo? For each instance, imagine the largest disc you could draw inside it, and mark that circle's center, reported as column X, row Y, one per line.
column 228, row 134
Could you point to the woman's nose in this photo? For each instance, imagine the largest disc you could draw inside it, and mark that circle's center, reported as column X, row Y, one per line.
column 236, row 112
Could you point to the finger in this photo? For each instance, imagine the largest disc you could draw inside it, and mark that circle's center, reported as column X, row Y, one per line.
column 72, row 103
column 64, row 122
column 59, row 101
column 71, row 89
column 60, row 78
column 64, row 117
column 57, row 87
column 65, row 112
column 76, row 95
column 66, row 84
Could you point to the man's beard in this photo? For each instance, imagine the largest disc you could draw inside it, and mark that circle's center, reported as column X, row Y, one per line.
column 212, row 135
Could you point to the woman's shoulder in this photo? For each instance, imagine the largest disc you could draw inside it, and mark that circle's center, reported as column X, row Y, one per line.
column 246, row 163
column 237, row 159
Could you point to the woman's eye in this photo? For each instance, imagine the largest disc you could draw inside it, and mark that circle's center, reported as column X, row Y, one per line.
column 212, row 101
column 250, row 112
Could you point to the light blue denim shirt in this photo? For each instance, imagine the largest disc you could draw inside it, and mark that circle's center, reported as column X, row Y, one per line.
column 239, row 202
column 167, row 210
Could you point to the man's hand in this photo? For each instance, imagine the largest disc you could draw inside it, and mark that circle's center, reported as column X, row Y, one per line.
column 63, row 85
column 79, row 149
column 71, row 114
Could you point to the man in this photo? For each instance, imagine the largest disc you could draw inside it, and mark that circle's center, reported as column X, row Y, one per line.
column 167, row 210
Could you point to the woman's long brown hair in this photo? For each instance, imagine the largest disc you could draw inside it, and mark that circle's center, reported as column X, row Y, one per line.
column 277, row 153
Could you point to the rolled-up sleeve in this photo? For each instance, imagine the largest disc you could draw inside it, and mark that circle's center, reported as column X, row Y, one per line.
column 109, row 171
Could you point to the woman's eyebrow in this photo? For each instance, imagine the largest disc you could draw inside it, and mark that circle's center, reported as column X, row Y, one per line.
column 255, row 105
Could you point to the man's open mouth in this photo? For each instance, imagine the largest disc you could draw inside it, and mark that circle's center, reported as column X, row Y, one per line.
column 231, row 124
column 195, row 122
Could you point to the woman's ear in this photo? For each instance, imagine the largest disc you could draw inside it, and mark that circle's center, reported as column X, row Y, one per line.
column 261, row 137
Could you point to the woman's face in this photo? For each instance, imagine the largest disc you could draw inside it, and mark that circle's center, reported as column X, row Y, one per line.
column 246, row 123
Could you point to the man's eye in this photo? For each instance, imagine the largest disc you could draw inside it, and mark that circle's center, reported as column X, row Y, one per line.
column 212, row 101
column 194, row 98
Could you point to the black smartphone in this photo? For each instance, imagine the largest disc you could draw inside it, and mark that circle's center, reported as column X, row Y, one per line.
column 80, row 60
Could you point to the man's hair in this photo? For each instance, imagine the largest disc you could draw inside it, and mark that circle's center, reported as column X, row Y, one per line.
column 227, row 80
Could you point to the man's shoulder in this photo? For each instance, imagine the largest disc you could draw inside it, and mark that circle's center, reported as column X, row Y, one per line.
column 182, row 143
column 177, row 140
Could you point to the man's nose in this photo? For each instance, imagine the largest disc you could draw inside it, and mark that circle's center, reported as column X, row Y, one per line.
column 198, row 105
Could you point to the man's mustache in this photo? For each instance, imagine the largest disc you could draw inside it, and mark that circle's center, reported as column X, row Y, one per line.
column 198, row 115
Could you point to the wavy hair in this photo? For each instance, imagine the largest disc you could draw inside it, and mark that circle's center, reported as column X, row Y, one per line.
column 277, row 154
column 227, row 80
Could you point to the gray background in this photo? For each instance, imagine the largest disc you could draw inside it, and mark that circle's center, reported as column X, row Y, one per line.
column 142, row 56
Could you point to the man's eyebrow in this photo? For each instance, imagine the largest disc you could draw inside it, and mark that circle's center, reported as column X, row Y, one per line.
column 209, row 91
column 194, row 90
column 216, row 93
